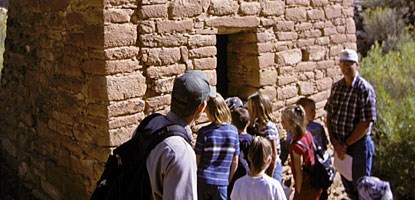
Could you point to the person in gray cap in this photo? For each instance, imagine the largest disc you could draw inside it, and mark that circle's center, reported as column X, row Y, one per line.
column 171, row 164
column 351, row 112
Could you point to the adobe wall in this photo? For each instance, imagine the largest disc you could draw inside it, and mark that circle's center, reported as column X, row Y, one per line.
column 79, row 75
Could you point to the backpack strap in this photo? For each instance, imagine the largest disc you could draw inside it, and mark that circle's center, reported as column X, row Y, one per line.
column 165, row 132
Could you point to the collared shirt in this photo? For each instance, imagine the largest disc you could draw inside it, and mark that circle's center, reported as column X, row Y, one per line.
column 349, row 105
column 171, row 165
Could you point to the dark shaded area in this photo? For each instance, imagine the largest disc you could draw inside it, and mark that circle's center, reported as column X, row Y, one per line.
column 222, row 65
column 11, row 187
column 4, row 3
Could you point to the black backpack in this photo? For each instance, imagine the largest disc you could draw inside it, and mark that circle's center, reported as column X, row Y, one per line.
column 125, row 175
column 322, row 173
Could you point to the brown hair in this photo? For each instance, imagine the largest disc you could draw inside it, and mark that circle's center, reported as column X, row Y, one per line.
column 260, row 107
column 259, row 151
column 306, row 102
column 240, row 118
column 217, row 111
column 295, row 115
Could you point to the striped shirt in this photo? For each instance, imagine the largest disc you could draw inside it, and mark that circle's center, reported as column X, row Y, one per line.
column 349, row 105
column 216, row 145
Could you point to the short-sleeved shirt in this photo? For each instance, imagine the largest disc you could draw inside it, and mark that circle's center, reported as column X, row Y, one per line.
column 349, row 105
column 271, row 133
column 259, row 188
column 308, row 156
column 319, row 134
column 245, row 141
column 216, row 145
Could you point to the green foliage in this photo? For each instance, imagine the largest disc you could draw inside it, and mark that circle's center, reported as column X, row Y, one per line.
column 384, row 24
column 393, row 77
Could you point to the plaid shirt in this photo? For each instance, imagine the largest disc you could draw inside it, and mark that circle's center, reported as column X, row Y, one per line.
column 349, row 105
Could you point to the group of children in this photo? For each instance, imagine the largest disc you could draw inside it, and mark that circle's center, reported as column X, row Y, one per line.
column 238, row 153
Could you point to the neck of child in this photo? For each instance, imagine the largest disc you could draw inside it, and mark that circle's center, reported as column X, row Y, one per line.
column 259, row 174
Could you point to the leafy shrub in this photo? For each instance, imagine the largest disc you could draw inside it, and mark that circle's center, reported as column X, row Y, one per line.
column 393, row 77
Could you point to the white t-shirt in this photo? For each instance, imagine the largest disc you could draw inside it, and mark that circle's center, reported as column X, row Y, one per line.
column 257, row 188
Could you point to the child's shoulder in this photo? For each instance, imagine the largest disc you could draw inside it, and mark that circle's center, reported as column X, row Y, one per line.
column 314, row 126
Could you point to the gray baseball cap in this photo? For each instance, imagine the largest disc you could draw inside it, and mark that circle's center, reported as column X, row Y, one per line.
column 189, row 91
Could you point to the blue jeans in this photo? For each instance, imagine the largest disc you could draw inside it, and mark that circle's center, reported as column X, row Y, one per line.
column 362, row 152
column 214, row 192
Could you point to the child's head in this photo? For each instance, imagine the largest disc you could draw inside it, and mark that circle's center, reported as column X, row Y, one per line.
column 260, row 107
column 234, row 102
column 240, row 118
column 217, row 111
column 259, row 154
column 309, row 106
column 293, row 120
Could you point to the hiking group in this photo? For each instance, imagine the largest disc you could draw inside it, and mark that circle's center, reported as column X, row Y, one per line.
column 238, row 155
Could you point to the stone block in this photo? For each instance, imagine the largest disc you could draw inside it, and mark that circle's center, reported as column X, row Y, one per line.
column 284, row 36
column 122, row 66
column 205, row 63
column 163, row 85
column 162, row 56
column 154, row 103
column 350, row 26
column 325, row 64
column 117, row 35
column 117, row 15
column 185, row 8
column 124, row 121
column 154, row 11
column 305, row 42
column 335, row 50
column 316, row 14
column 125, row 87
column 126, row 107
column 298, row 2
column 174, row 26
column 306, row 66
column 266, row 36
column 302, row 26
column 306, row 88
column 317, row 53
column 121, row 53
column 324, row 84
column 289, row 57
column 202, row 40
column 155, row 72
column 319, row 3
column 269, row 91
column 284, row 26
column 333, row 11
column 265, row 48
column 96, row 88
column 287, row 92
column 147, row 26
column 223, row 7
column 322, row 41
column 250, row 8
column 230, row 22
column 93, row 36
column 203, row 52
column 152, row 40
column 266, row 60
column 286, row 79
column 268, row 76
column 338, row 39
column 296, row 14
column 320, row 96
column 311, row 34
column 119, row 136
column 272, row 8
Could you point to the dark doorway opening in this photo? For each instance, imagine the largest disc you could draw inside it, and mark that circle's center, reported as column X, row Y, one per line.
column 222, row 65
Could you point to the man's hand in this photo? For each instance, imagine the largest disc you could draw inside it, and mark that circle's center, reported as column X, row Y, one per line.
column 340, row 149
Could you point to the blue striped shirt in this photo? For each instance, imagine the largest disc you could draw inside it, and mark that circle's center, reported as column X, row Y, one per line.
column 216, row 145
column 349, row 105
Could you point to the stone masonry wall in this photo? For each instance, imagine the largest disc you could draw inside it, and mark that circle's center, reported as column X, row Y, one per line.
column 80, row 75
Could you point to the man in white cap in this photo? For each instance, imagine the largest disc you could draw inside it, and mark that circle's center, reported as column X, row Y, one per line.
column 171, row 164
column 351, row 111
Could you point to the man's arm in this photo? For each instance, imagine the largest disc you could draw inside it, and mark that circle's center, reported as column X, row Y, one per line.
column 358, row 133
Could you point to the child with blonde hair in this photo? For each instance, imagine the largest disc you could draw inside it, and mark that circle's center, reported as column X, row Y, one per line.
column 263, row 122
column 217, row 151
column 302, row 159
column 258, row 185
